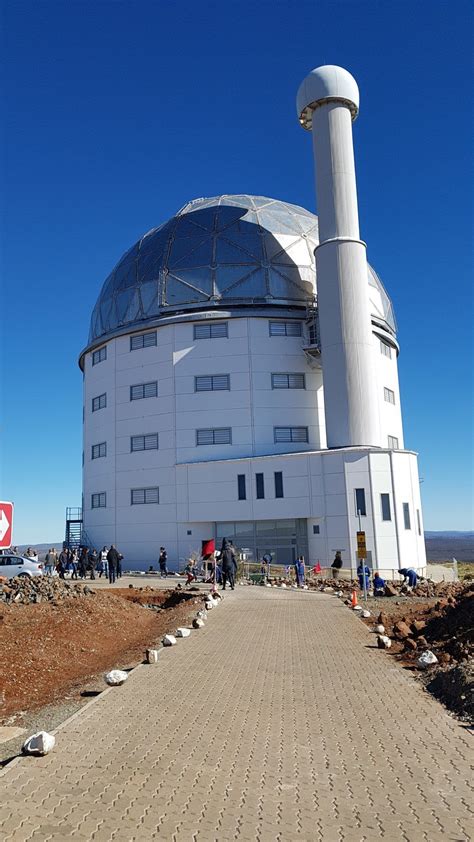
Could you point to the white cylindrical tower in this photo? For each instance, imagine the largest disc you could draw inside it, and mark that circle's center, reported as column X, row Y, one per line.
column 327, row 102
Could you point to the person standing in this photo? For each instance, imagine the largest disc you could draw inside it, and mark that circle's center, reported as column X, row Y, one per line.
column 112, row 560
column 162, row 561
column 51, row 561
column 92, row 562
column 362, row 571
column 299, row 571
column 103, row 558
column 82, row 565
column 73, row 564
column 336, row 565
column 228, row 564
column 63, row 562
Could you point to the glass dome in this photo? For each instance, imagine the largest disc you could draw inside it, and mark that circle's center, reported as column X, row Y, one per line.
column 228, row 250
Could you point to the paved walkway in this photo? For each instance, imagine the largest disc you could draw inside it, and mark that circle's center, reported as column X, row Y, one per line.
column 277, row 721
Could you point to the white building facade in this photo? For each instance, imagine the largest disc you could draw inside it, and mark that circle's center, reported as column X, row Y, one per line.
column 204, row 411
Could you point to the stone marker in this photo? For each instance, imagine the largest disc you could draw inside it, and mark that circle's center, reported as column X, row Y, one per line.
column 383, row 642
column 198, row 623
column 183, row 632
column 152, row 656
column 40, row 743
column 427, row 659
column 380, row 629
column 169, row 640
column 116, row 677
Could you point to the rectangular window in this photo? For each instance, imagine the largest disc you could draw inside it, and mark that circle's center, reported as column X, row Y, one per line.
column 360, row 501
column 211, row 331
column 418, row 520
column 278, row 484
column 241, row 487
column 316, row 529
column 100, row 355
column 260, row 487
column 98, row 501
column 406, row 515
column 148, row 442
column 385, row 349
column 99, row 450
column 288, row 381
column 393, row 442
column 144, row 390
column 285, row 328
column 143, row 340
column 212, row 383
column 290, row 434
column 139, row 496
column 100, row 402
column 389, row 395
column 385, row 505
column 220, row 435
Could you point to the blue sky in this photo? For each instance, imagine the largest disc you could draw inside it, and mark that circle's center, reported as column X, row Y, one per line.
column 117, row 113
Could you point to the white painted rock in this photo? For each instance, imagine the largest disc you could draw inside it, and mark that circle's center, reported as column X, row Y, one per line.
column 383, row 642
column 305, row 587
column 116, row 677
column 202, row 615
column 183, row 632
column 427, row 659
column 357, row 608
column 40, row 743
column 215, row 602
column 169, row 640
column 152, row 656
column 208, row 605
column 217, row 595
column 268, row 585
column 366, row 614
column 283, row 585
column 328, row 590
column 294, row 587
column 198, row 623
column 339, row 593
column 379, row 629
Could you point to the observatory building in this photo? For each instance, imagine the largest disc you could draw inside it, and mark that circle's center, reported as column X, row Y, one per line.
column 240, row 378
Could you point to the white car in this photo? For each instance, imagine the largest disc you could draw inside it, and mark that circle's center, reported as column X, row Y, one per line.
column 18, row 565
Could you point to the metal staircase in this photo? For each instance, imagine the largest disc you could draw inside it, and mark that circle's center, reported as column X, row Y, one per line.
column 74, row 529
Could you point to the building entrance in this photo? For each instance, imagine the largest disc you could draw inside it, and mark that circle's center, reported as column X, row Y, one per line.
column 285, row 540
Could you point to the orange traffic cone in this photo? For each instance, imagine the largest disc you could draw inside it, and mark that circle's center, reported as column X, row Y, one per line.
column 354, row 599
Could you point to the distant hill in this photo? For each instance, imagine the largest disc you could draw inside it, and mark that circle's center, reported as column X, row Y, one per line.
column 444, row 546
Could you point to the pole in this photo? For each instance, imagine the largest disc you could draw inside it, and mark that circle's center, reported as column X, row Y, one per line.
column 362, row 561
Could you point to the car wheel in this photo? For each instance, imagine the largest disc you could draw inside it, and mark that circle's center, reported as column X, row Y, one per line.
column 24, row 576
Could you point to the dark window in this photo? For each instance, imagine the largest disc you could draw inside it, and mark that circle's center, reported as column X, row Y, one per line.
column 100, row 402
column 260, row 487
column 406, row 515
column 241, row 486
column 278, row 484
column 360, row 501
column 221, row 435
column 99, row 355
column 211, row 331
column 385, row 503
column 189, row 532
column 212, row 382
column 144, row 390
column 290, row 434
column 316, row 529
column 99, row 450
column 285, row 328
column 139, row 496
column 98, row 501
column 148, row 442
column 288, row 381
column 143, row 340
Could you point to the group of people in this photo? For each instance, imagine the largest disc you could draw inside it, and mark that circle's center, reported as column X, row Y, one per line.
column 83, row 563
column 410, row 578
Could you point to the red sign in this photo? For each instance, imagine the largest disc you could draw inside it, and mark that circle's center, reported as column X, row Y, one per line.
column 6, row 524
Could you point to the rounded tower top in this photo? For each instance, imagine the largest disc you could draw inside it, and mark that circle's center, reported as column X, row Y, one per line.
column 323, row 84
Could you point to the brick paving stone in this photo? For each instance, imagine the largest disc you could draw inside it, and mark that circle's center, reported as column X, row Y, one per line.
column 278, row 721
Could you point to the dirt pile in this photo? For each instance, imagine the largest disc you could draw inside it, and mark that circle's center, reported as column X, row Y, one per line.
column 50, row 650
column 25, row 591
column 444, row 625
